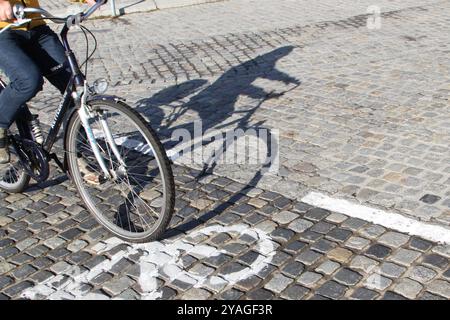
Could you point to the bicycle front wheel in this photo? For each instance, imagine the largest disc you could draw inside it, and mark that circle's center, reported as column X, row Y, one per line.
column 135, row 202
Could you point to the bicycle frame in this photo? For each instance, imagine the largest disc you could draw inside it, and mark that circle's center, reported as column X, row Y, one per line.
column 67, row 102
column 76, row 96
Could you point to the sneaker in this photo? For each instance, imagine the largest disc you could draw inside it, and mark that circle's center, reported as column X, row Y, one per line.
column 4, row 147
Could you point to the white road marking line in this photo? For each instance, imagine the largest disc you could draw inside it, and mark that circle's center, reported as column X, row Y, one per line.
column 389, row 220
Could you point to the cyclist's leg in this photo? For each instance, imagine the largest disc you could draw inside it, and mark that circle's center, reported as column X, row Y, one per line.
column 50, row 57
column 25, row 80
column 46, row 50
column 25, row 77
column 48, row 53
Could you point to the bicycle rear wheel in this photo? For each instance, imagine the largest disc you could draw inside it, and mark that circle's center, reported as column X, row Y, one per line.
column 136, row 202
column 13, row 178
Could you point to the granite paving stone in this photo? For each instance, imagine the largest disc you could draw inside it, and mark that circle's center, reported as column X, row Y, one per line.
column 408, row 288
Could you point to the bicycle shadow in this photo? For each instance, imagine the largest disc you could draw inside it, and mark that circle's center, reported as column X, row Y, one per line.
column 58, row 179
column 217, row 106
column 213, row 103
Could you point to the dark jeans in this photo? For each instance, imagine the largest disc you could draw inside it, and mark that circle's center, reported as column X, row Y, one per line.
column 26, row 57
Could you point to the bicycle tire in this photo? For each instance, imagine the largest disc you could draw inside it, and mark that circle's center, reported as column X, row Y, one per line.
column 17, row 187
column 73, row 129
column 23, row 179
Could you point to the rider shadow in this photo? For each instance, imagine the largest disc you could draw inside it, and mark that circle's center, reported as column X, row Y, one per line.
column 217, row 107
column 216, row 102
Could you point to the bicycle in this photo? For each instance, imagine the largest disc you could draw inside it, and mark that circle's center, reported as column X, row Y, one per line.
column 111, row 154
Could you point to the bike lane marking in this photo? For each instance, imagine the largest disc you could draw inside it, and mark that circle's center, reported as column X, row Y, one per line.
column 157, row 259
column 390, row 220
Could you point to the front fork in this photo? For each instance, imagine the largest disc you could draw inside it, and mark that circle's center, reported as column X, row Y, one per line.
column 85, row 115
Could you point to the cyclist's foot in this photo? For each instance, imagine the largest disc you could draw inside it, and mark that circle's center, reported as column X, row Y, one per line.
column 88, row 174
column 4, row 146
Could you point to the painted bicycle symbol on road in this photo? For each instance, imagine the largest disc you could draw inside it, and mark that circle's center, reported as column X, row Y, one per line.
column 160, row 260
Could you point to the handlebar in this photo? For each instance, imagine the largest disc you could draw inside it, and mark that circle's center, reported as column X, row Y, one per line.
column 20, row 11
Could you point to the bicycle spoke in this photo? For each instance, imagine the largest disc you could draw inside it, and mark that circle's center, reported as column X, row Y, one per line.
column 133, row 193
column 151, row 209
column 138, row 212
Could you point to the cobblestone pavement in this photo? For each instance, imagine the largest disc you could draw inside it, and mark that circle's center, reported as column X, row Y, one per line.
column 361, row 115
column 368, row 120
column 227, row 241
